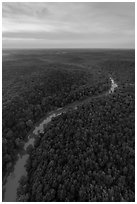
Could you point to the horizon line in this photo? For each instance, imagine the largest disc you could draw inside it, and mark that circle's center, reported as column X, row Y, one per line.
column 105, row 48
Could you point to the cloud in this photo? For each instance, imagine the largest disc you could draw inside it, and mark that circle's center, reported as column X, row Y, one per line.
column 13, row 10
column 75, row 23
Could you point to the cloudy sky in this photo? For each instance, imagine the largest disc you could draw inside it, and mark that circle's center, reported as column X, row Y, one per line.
column 68, row 25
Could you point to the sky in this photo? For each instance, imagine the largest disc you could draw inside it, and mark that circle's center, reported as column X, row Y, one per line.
column 68, row 25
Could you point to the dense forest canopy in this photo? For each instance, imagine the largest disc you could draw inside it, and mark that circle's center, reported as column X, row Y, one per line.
column 85, row 154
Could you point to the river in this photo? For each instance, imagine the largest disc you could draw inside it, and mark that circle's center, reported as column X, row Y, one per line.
column 12, row 181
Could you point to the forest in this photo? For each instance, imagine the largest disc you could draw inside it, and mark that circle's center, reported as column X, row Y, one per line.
column 54, row 88
column 85, row 154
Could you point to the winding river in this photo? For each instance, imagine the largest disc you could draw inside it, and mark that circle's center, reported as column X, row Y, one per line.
column 12, row 181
